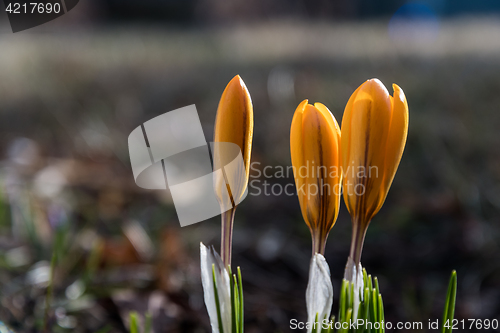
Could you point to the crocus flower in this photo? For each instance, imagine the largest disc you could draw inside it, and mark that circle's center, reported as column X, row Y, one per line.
column 315, row 143
column 374, row 131
column 233, row 124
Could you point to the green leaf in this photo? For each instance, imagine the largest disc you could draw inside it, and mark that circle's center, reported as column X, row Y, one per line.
column 449, row 306
column 315, row 328
column 134, row 328
column 330, row 325
column 236, row 302
column 350, row 297
column 348, row 318
column 380, row 312
column 343, row 298
column 240, row 284
column 234, row 328
column 370, row 283
column 217, row 302
column 364, row 307
column 373, row 306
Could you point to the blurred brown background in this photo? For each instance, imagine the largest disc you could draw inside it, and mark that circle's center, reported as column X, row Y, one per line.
column 73, row 89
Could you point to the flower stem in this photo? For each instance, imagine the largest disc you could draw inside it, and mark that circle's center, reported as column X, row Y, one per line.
column 358, row 238
column 318, row 242
column 227, row 236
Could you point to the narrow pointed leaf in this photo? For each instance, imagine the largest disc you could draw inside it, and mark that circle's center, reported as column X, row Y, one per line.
column 449, row 307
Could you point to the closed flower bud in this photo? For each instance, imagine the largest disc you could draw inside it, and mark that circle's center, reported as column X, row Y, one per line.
column 315, row 143
column 374, row 131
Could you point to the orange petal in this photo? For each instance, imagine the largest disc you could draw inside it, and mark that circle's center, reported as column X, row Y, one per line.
column 396, row 140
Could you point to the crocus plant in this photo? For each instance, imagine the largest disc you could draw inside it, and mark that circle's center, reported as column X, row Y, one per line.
column 363, row 156
column 374, row 131
column 233, row 124
column 223, row 289
column 314, row 144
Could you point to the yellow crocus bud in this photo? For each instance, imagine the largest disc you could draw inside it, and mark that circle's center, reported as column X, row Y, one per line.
column 374, row 131
column 233, row 124
column 315, row 150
